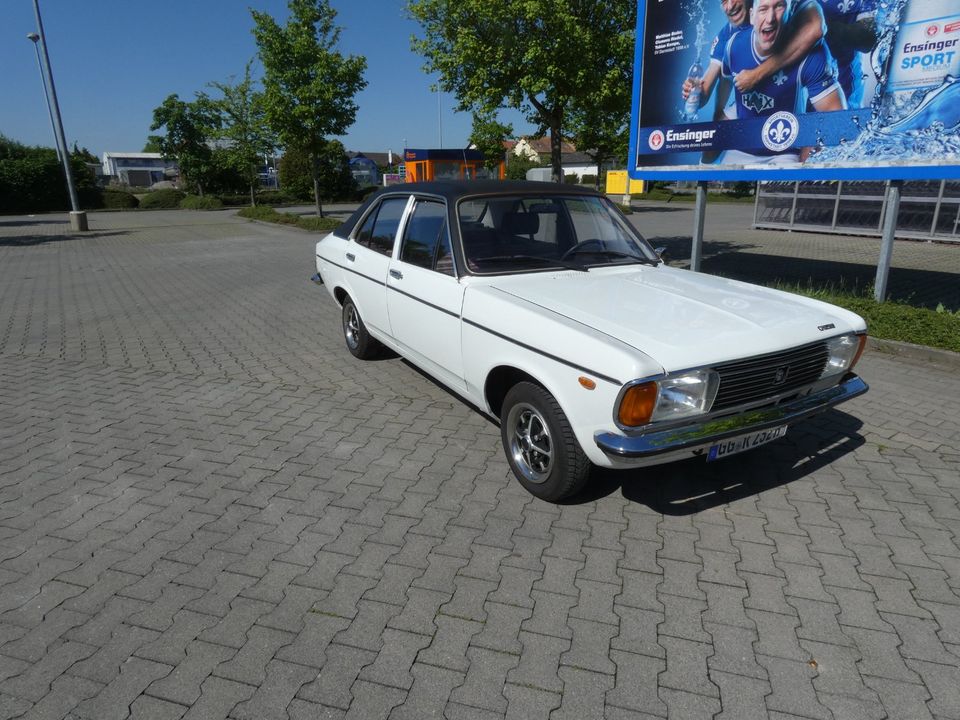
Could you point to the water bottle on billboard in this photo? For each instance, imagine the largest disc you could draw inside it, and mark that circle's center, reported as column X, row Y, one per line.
column 921, row 84
column 692, row 106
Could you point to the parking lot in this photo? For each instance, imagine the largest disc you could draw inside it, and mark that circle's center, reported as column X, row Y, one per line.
column 209, row 509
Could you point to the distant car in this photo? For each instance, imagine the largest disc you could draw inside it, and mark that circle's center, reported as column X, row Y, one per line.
column 542, row 306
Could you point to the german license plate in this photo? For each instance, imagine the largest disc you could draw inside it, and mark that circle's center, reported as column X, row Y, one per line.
column 745, row 442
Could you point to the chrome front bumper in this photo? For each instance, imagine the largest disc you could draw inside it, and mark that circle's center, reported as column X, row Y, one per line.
column 656, row 442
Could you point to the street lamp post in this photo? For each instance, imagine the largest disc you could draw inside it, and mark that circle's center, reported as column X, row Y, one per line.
column 78, row 218
column 34, row 38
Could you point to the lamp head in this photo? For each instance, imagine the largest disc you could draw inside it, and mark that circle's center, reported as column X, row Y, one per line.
column 33, row 37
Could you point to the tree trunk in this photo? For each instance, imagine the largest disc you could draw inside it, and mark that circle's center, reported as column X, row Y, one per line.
column 556, row 149
column 316, row 192
column 253, row 196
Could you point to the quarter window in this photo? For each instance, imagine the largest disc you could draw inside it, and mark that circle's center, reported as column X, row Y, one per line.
column 379, row 230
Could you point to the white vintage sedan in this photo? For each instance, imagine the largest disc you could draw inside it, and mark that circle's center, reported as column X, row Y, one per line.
column 541, row 305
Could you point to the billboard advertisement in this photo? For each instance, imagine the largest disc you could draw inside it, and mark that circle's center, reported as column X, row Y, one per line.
column 796, row 89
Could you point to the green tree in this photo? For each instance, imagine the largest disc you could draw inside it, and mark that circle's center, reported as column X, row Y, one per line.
column 599, row 117
column 488, row 135
column 309, row 86
column 189, row 128
column 334, row 179
column 244, row 132
column 539, row 56
column 153, row 144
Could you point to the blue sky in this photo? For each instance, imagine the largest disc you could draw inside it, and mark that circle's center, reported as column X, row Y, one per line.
column 114, row 61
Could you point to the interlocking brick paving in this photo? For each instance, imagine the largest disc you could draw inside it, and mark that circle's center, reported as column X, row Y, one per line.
column 209, row 509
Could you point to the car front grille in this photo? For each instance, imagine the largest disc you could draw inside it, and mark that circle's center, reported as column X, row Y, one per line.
column 764, row 376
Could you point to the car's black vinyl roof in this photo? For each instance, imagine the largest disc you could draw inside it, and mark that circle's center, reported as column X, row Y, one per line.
column 456, row 189
column 453, row 190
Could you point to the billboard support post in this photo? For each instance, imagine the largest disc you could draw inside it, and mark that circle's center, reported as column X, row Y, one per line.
column 696, row 251
column 886, row 243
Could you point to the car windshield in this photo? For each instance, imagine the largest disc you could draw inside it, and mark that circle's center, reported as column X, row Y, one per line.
column 505, row 234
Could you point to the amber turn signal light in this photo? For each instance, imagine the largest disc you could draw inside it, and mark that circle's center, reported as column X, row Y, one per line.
column 587, row 383
column 863, row 346
column 637, row 404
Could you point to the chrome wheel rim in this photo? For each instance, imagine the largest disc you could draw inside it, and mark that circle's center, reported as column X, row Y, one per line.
column 531, row 446
column 351, row 326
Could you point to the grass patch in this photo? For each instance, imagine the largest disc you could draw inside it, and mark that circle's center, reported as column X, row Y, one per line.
column 662, row 195
column 892, row 320
column 306, row 222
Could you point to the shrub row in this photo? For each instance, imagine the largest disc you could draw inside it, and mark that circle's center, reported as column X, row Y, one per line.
column 268, row 214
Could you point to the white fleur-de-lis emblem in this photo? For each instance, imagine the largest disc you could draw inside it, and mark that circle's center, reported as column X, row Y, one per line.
column 780, row 78
column 779, row 132
column 846, row 6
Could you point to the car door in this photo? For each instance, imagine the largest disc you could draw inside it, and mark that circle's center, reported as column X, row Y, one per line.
column 424, row 296
column 368, row 260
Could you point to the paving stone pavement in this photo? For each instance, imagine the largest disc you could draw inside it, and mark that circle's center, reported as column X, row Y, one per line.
column 209, row 509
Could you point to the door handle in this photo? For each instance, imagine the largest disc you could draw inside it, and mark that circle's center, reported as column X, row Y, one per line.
column 396, row 274
column 351, row 257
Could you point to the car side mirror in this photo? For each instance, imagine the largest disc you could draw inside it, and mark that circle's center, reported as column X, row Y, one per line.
column 661, row 253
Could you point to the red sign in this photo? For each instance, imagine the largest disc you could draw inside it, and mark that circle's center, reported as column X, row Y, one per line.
column 952, row 27
column 933, row 30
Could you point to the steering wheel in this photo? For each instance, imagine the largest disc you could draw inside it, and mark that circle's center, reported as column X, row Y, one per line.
column 585, row 246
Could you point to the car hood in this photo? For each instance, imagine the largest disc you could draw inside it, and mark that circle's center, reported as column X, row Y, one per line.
column 679, row 318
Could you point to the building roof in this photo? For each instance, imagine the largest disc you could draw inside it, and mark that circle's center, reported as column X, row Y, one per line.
column 134, row 155
column 540, row 145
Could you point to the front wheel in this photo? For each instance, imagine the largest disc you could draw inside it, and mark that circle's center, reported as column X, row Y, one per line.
column 359, row 342
column 540, row 445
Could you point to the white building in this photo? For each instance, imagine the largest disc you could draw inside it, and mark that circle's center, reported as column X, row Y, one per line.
column 138, row 169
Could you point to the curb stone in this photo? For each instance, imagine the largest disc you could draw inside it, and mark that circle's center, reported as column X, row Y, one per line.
column 922, row 353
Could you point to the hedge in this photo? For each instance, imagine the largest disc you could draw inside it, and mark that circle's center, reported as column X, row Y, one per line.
column 157, row 199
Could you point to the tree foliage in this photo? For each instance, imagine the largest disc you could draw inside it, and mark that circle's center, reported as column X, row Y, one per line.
column 31, row 179
column 549, row 59
column 189, row 127
column 309, row 85
column 488, row 134
column 243, row 132
column 335, row 180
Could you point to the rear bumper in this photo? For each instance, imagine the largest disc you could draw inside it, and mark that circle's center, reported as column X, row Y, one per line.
column 655, row 443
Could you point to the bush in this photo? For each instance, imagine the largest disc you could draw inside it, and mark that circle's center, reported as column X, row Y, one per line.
column 274, row 197
column 158, row 199
column 571, row 179
column 268, row 214
column 588, row 179
column 119, row 199
column 260, row 212
column 195, row 202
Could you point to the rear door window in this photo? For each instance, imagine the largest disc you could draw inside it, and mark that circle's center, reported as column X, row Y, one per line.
column 379, row 230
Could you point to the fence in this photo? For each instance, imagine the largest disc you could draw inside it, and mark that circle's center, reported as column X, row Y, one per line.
column 928, row 209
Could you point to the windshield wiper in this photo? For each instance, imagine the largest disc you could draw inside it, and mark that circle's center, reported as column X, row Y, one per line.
column 612, row 253
column 552, row 261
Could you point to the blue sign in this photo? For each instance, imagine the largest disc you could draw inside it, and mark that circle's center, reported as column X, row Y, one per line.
column 796, row 89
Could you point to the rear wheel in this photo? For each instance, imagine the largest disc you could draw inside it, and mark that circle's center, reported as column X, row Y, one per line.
column 540, row 445
column 359, row 342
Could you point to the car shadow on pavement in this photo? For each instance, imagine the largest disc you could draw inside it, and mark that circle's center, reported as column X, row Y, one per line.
column 28, row 240
column 690, row 486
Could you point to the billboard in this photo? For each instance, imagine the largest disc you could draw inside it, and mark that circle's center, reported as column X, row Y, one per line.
column 796, row 89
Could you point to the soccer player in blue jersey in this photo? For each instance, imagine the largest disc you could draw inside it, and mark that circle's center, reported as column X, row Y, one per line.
column 812, row 80
column 806, row 28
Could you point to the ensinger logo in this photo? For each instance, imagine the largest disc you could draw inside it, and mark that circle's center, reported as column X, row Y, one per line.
column 780, row 130
column 655, row 141
column 932, row 30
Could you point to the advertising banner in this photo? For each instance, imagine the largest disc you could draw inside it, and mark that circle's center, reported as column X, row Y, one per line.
column 796, row 89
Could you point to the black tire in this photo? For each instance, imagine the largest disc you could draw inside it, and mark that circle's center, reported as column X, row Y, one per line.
column 531, row 422
column 359, row 342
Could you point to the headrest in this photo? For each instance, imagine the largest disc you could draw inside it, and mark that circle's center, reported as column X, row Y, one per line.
column 521, row 223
